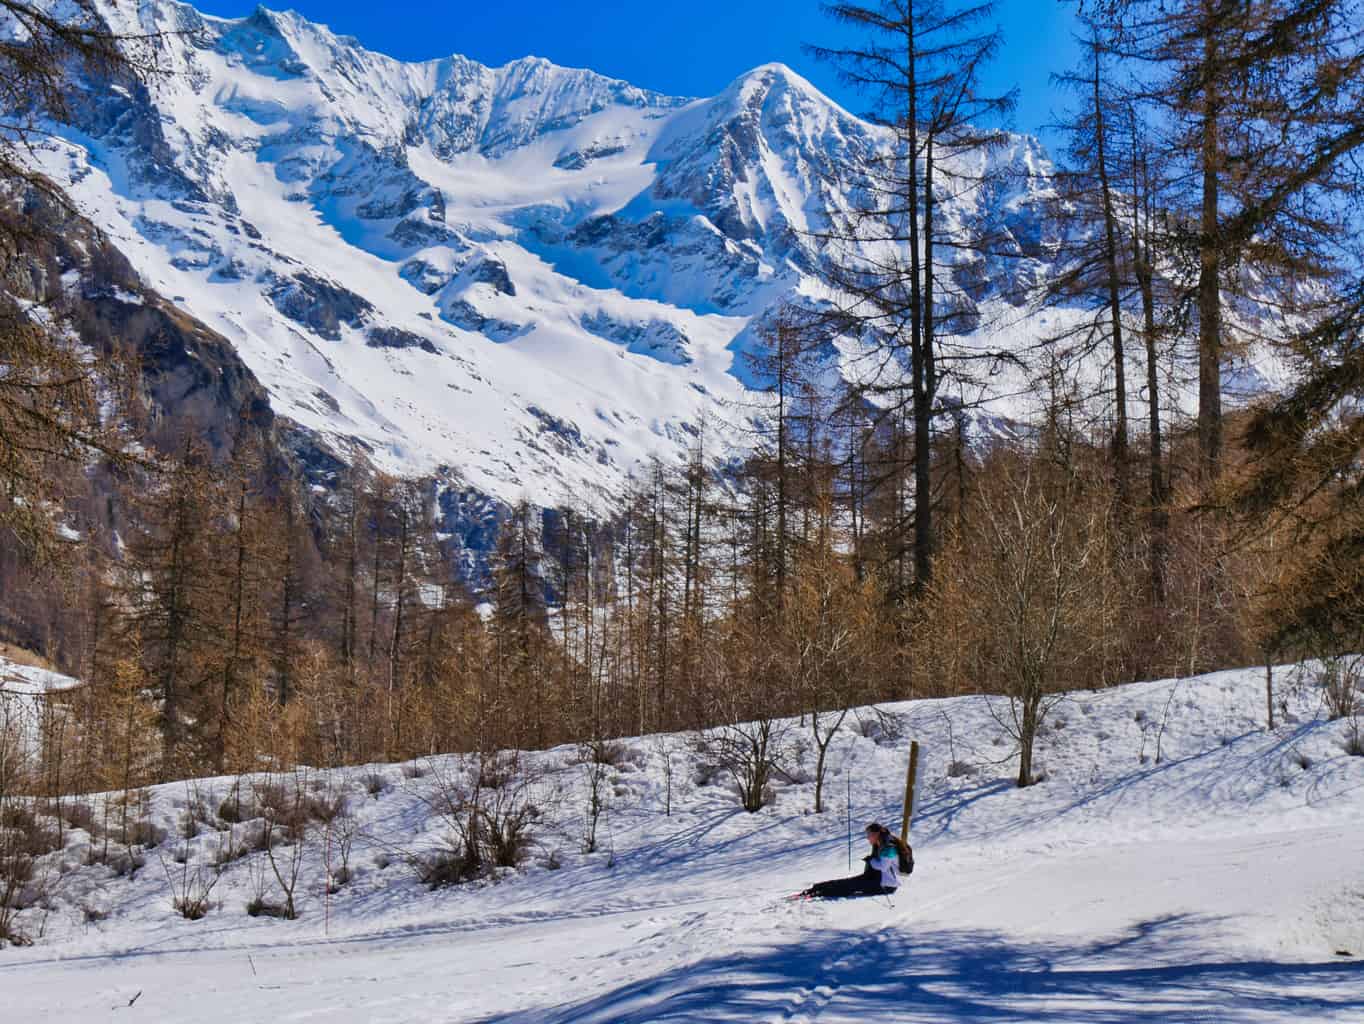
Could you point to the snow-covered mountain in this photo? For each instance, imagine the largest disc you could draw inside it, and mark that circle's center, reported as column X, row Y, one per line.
column 528, row 276
column 524, row 279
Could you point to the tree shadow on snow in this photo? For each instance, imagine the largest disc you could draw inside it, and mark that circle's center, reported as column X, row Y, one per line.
column 1156, row 971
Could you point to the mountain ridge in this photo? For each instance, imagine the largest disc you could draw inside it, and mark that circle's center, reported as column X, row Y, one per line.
column 525, row 280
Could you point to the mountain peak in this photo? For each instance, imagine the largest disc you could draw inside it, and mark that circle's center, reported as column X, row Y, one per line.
column 775, row 69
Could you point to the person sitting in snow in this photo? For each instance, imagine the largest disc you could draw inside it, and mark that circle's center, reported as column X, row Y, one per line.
column 881, row 877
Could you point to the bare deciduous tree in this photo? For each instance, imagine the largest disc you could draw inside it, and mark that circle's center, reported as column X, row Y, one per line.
column 1025, row 588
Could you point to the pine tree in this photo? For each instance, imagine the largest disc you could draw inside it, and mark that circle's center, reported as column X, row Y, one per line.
column 244, row 572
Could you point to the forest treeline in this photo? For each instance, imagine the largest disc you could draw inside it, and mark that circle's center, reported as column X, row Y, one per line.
column 867, row 538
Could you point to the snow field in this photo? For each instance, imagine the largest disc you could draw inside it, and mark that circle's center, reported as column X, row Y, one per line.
column 1222, row 881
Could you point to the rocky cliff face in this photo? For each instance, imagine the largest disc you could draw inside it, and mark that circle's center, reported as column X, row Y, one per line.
column 187, row 380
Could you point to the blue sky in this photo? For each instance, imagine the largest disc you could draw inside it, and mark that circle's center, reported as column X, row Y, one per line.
column 692, row 48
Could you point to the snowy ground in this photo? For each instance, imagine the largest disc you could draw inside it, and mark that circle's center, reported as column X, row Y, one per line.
column 1222, row 882
column 21, row 697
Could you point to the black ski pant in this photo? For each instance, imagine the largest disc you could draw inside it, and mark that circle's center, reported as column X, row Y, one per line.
column 868, row 883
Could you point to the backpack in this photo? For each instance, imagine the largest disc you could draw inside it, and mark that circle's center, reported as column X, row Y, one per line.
column 905, row 854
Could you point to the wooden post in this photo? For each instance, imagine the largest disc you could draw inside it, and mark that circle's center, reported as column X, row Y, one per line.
column 910, row 777
column 1269, row 690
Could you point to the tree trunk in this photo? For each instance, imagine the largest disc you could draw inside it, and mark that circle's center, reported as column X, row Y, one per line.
column 284, row 654
column 399, row 603
column 1122, row 494
column 1027, row 735
column 781, row 475
column 1209, row 295
column 819, row 779
column 230, row 669
column 1141, row 258
column 925, row 385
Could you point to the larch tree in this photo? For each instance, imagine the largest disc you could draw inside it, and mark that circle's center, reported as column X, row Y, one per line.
column 173, row 599
column 1260, row 103
column 1096, row 259
column 920, row 63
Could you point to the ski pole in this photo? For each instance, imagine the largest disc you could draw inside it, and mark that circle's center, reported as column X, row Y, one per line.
column 848, row 809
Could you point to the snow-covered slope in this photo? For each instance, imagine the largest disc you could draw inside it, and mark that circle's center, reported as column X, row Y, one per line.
column 527, row 277
column 23, row 689
column 1179, row 863
column 29, row 680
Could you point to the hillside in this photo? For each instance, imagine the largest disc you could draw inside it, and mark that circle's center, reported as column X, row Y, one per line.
column 1177, row 863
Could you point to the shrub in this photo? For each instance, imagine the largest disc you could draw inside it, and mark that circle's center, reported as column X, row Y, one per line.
column 373, row 783
column 752, row 754
column 273, row 797
column 497, row 769
column 37, row 840
column 235, row 844
column 880, row 726
column 232, row 811
column 705, row 773
column 93, row 914
column 285, row 808
column 17, row 816
column 80, row 815
column 259, row 906
column 10, row 935
column 1354, row 740
column 343, row 840
column 1342, row 686
column 121, row 861
column 145, row 834
column 489, row 811
column 445, row 867
column 509, row 831
column 328, row 807
column 614, row 753
column 191, row 888
column 190, row 909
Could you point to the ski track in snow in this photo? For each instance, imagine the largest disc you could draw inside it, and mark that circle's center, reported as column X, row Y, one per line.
column 1219, row 884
